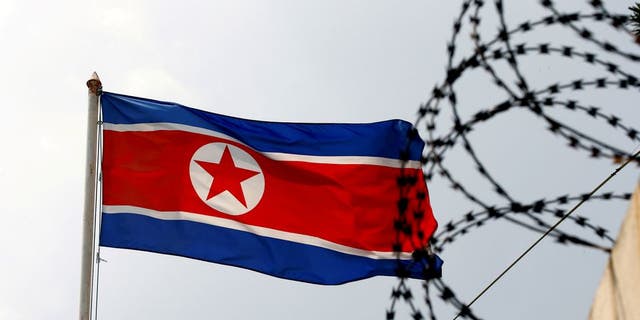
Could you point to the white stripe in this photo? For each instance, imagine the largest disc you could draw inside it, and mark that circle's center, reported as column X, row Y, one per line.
column 260, row 231
column 379, row 161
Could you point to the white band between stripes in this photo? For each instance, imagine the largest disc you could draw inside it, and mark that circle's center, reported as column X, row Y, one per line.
column 260, row 231
column 379, row 161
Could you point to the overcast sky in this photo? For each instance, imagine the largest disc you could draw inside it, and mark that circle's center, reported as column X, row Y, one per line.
column 311, row 61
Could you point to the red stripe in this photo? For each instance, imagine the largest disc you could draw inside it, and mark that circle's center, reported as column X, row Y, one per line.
column 352, row 205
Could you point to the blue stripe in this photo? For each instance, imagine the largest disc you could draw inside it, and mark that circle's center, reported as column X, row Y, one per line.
column 379, row 139
column 280, row 258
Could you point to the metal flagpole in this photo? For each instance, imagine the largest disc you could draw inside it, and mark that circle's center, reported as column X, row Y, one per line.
column 88, row 220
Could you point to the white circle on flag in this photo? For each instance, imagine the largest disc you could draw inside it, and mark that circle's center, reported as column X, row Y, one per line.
column 226, row 178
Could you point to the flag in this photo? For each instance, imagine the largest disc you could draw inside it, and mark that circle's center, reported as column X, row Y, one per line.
column 306, row 202
column 617, row 295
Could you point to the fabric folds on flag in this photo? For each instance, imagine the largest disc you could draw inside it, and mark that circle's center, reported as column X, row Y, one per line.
column 306, row 202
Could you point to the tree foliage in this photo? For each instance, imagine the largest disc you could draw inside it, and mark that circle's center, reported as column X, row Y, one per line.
column 635, row 18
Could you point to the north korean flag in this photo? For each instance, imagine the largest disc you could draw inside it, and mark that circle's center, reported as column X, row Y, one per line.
column 307, row 202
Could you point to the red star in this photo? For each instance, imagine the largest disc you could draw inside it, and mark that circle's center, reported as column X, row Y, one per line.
column 226, row 176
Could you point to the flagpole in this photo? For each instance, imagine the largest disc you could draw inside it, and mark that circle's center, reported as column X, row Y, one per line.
column 88, row 220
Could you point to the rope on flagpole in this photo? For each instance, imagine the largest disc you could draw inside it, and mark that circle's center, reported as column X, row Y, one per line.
column 98, row 212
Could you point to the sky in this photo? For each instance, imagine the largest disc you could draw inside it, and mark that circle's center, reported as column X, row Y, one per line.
column 307, row 61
